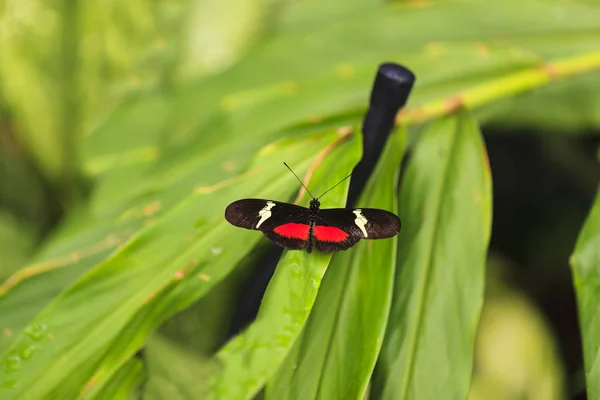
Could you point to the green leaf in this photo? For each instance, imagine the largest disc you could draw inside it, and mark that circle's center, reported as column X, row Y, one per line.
column 336, row 354
column 250, row 359
column 585, row 264
column 128, row 136
column 445, row 202
column 162, row 269
column 65, row 258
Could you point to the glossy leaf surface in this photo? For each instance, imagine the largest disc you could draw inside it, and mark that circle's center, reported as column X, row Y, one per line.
column 445, row 198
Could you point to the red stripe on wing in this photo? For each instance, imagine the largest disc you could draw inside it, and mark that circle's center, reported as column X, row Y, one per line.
column 292, row 230
column 329, row 234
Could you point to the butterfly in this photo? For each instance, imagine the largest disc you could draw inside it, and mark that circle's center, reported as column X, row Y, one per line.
column 296, row 228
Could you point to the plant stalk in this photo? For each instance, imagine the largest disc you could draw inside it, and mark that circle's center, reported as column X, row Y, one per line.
column 502, row 87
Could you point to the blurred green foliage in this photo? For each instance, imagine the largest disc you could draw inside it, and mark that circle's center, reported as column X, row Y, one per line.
column 127, row 127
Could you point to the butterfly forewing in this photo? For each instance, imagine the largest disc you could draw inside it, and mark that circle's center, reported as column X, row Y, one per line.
column 264, row 215
column 285, row 224
column 380, row 224
column 355, row 224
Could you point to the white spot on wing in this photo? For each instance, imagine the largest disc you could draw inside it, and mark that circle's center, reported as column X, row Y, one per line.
column 360, row 221
column 265, row 213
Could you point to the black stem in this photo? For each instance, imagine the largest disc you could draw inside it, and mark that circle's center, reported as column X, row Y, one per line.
column 390, row 92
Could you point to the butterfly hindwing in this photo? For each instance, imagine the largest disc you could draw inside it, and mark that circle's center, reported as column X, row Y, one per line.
column 340, row 228
column 285, row 224
column 330, row 238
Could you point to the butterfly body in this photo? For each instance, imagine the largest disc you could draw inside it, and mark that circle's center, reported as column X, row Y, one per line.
column 297, row 228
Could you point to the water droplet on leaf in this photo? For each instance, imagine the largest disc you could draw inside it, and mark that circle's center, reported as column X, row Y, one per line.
column 28, row 351
column 13, row 363
column 36, row 331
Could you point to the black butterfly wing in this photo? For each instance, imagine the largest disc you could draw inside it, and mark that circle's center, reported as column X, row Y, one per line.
column 285, row 224
column 340, row 228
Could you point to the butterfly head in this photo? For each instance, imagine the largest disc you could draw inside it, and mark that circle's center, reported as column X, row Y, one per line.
column 314, row 205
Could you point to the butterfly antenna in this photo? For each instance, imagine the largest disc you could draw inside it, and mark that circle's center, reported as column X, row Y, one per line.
column 308, row 191
column 331, row 188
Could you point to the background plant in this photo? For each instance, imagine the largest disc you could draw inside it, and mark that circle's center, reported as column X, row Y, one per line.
column 127, row 127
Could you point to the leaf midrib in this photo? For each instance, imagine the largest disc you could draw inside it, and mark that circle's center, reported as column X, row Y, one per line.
column 429, row 263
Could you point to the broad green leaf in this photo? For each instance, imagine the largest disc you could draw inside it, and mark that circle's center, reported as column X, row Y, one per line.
column 65, row 259
column 250, row 359
column 585, row 264
column 128, row 136
column 163, row 268
column 445, row 202
column 336, row 353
